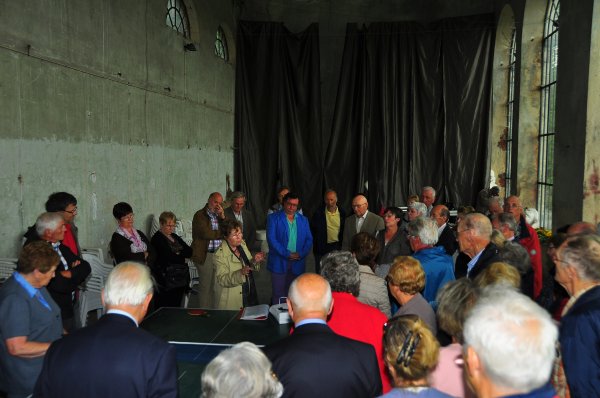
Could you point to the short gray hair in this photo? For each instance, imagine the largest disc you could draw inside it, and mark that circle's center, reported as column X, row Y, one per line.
column 508, row 220
column 516, row 255
column 47, row 221
column 419, row 207
column 240, row 371
column 478, row 223
column 128, row 284
column 582, row 252
column 237, row 195
column 340, row 269
column 514, row 338
column 428, row 188
column 425, row 228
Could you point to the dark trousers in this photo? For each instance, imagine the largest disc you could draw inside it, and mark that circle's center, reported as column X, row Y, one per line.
column 280, row 283
column 329, row 247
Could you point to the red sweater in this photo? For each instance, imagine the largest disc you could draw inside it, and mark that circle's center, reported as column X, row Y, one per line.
column 355, row 320
column 528, row 238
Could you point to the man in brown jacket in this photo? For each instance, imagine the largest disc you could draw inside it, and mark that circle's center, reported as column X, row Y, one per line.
column 206, row 239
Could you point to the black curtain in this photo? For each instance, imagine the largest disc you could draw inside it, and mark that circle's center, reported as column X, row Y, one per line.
column 277, row 134
column 412, row 109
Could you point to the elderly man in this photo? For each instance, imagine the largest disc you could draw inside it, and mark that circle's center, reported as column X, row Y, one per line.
column 578, row 271
column 113, row 358
column 327, row 226
column 206, row 240
column 314, row 361
column 438, row 266
column 289, row 239
column 510, row 346
column 72, row 270
column 351, row 318
column 506, row 224
column 361, row 221
column 237, row 211
column 473, row 234
column 66, row 204
column 29, row 319
column 527, row 237
column 428, row 198
column 446, row 237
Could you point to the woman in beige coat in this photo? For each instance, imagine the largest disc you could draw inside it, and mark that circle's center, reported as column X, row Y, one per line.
column 234, row 283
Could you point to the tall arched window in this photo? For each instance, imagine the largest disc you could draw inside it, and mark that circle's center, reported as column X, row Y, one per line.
column 177, row 17
column 548, row 114
column 221, row 45
column 510, row 110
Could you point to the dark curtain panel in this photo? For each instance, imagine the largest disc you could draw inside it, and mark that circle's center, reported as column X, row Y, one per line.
column 412, row 109
column 278, row 115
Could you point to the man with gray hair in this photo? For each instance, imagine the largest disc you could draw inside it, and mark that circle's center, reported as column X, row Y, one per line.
column 237, row 211
column 72, row 270
column 113, row 357
column 509, row 346
column 446, row 237
column 438, row 266
column 474, row 234
column 428, row 198
column 314, row 361
column 506, row 224
column 578, row 271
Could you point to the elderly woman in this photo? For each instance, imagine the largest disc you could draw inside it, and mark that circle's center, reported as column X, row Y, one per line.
column 578, row 271
column 170, row 269
column 373, row 290
column 234, row 282
column 240, row 371
column 416, row 210
column 29, row 319
column 411, row 353
column 351, row 318
column 406, row 280
column 128, row 243
column 455, row 300
column 393, row 239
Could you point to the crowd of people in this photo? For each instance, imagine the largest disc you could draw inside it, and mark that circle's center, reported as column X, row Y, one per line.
column 401, row 304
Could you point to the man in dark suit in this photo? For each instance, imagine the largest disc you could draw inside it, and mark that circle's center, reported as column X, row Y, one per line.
column 361, row 221
column 113, row 358
column 237, row 211
column 446, row 237
column 72, row 270
column 327, row 226
column 473, row 234
column 314, row 361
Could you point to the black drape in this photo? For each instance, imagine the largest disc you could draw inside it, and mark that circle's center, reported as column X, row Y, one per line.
column 412, row 109
column 278, row 115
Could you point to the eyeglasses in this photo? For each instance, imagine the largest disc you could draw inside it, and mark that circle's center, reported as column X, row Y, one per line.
column 128, row 217
column 71, row 211
column 358, row 205
column 458, row 232
column 171, row 225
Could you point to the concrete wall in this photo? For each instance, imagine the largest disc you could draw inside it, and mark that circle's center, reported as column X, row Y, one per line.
column 99, row 99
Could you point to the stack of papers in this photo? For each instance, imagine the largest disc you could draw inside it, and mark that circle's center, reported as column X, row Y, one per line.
column 255, row 313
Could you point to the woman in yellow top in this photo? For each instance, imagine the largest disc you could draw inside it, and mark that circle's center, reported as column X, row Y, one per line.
column 234, row 283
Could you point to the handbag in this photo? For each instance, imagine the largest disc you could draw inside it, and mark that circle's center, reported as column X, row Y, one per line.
column 176, row 276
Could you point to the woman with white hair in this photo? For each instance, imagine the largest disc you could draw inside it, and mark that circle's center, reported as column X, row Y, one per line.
column 240, row 371
column 578, row 271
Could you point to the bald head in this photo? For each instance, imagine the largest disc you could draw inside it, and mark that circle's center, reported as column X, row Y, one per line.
column 360, row 205
column 440, row 214
column 581, row 228
column 309, row 297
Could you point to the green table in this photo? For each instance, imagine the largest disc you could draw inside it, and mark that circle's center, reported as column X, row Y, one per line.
column 198, row 339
